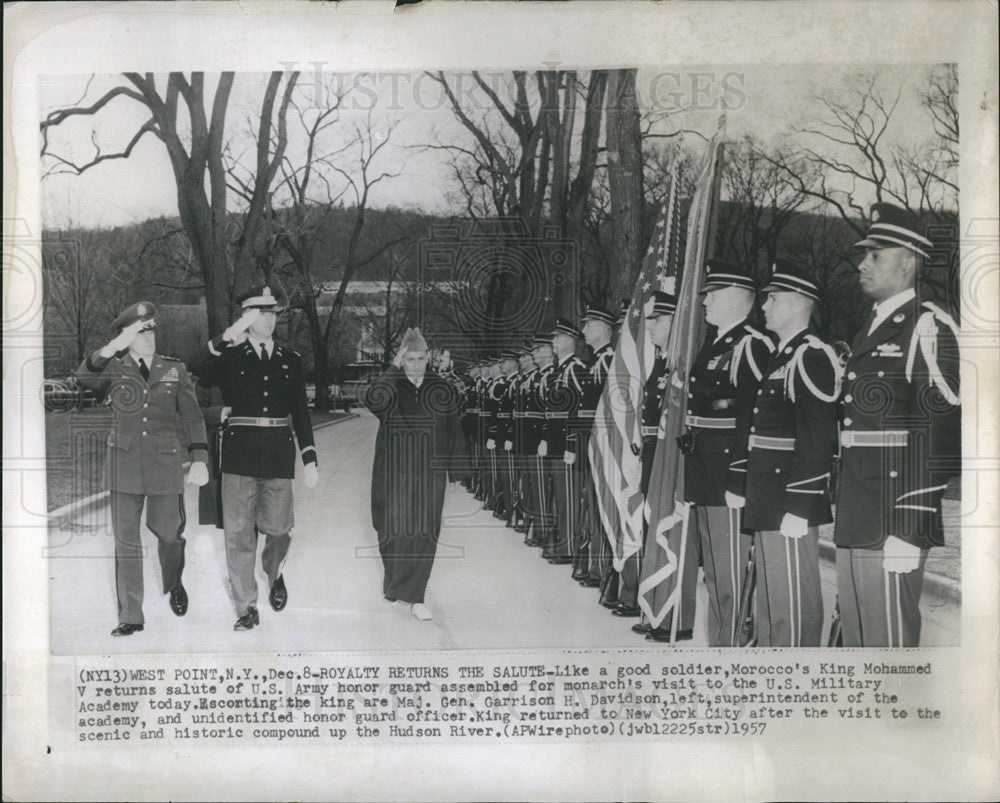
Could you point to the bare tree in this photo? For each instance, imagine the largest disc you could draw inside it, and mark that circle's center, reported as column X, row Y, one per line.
column 625, row 181
column 194, row 136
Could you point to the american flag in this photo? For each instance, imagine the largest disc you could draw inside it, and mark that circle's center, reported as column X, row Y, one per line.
column 617, row 434
column 659, row 586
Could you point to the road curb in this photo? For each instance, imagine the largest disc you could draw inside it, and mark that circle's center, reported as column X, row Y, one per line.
column 935, row 583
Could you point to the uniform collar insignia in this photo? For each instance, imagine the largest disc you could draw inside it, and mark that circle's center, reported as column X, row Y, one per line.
column 889, row 347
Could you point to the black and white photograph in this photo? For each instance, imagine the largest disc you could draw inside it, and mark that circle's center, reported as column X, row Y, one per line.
column 510, row 389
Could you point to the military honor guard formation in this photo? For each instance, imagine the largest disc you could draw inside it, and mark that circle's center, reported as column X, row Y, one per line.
column 781, row 434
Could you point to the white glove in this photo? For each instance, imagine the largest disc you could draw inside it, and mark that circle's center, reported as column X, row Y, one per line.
column 793, row 526
column 508, row 445
column 735, row 501
column 491, row 444
column 310, row 475
column 543, row 448
column 236, row 333
column 569, row 458
column 224, row 413
column 899, row 556
column 198, row 473
column 124, row 340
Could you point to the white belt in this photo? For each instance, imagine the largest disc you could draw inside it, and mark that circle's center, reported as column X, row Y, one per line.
column 774, row 444
column 877, row 437
column 710, row 423
column 250, row 421
column 650, row 431
column 557, row 415
column 586, row 413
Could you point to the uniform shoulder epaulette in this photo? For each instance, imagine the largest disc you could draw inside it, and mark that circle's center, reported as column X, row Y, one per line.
column 925, row 336
column 743, row 350
column 810, row 349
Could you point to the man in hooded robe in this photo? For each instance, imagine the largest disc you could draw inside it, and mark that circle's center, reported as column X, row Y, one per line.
column 419, row 447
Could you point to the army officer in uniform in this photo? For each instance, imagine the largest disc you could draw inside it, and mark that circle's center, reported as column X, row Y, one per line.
column 156, row 417
column 265, row 397
column 898, row 454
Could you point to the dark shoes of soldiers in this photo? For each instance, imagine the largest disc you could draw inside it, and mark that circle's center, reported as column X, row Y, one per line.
column 622, row 609
column 642, row 628
column 178, row 600
column 126, row 629
column 279, row 594
column 248, row 620
column 561, row 560
column 663, row 634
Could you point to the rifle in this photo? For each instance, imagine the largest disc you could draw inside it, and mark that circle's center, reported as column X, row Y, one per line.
column 745, row 633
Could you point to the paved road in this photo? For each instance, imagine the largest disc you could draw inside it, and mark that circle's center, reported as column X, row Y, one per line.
column 487, row 589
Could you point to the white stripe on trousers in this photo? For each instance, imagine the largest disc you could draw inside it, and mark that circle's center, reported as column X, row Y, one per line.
column 734, row 569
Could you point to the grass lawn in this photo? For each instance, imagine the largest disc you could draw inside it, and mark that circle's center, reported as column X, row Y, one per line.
column 75, row 448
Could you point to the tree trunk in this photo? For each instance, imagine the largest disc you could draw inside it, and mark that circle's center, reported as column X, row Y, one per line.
column 624, row 146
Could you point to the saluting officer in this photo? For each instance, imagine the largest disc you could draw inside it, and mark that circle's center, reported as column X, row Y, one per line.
column 264, row 390
column 793, row 438
column 156, row 417
column 727, row 368
column 897, row 455
column 593, row 553
column 562, row 443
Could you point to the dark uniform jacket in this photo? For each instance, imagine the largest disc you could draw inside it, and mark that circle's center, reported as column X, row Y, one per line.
column 255, row 389
column 562, row 400
column 537, row 407
column 157, row 422
column 711, row 415
column 505, row 410
column 652, row 406
column 526, row 442
column 494, row 422
column 796, row 416
column 900, row 392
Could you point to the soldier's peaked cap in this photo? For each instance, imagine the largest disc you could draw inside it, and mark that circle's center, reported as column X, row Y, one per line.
column 510, row 354
column 623, row 313
column 140, row 311
column 259, row 297
column 565, row 327
column 787, row 277
column 727, row 274
column 595, row 312
column 663, row 303
column 540, row 340
column 894, row 227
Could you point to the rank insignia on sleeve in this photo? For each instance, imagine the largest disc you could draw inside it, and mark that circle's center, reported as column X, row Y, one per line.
column 170, row 376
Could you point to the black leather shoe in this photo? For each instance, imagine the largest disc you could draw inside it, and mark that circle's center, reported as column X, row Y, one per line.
column 626, row 610
column 248, row 620
column 521, row 527
column 662, row 634
column 279, row 594
column 642, row 628
column 126, row 629
column 178, row 600
column 590, row 582
column 561, row 560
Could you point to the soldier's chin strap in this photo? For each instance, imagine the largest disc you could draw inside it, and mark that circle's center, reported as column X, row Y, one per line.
column 925, row 337
column 798, row 367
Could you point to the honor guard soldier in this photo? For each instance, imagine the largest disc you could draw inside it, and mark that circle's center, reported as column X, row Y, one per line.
column 523, row 438
column 505, row 432
column 793, row 438
column 264, row 390
column 493, row 501
column 482, row 460
column 469, row 418
column 593, row 553
column 727, row 368
column 562, row 442
column 896, row 456
column 156, row 422
column 541, row 496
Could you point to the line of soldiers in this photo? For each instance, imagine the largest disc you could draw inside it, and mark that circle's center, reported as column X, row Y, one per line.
column 771, row 414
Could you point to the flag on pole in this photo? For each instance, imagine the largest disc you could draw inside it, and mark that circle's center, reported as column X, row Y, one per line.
column 662, row 569
column 617, row 433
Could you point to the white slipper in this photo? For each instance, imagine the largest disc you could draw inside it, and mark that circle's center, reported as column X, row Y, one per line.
column 421, row 611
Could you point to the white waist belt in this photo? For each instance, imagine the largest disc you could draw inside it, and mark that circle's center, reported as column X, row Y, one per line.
column 877, row 437
column 250, row 421
column 710, row 423
column 776, row 444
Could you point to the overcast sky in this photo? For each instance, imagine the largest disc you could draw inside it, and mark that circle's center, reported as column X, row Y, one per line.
column 764, row 101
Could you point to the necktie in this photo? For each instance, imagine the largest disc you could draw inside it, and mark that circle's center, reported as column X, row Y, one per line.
column 871, row 320
column 263, row 353
column 144, row 370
